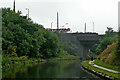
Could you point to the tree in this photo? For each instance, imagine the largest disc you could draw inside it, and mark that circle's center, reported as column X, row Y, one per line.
column 70, row 48
column 30, row 38
column 110, row 32
column 108, row 39
column 116, row 57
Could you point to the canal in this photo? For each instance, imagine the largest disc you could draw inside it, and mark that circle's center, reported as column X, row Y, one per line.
column 60, row 69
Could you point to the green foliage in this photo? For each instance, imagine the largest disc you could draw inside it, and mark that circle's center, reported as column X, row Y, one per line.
column 70, row 48
column 93, row 51
column 23, row 58
column 111, row 54
column 117, row 48
column 64, row 58
column 109, row 38
column 116, row 52
column 12, row 51
column 30, row 39
column 103, row 44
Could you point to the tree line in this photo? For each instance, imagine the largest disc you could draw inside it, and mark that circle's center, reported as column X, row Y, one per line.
column 22, row 37
column 109, row 38
column 108, row 49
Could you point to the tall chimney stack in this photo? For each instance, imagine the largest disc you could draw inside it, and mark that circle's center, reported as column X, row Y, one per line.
column 57, row 21
column 14, row 6
column 85, row 27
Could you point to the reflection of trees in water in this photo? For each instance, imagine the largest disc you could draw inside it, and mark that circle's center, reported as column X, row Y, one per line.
column 11, row 72
column 61, row 69
column 51, row 70
column 48, row 70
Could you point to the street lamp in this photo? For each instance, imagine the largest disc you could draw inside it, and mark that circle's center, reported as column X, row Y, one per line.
column 28, row 12
column 93, row 27
column 66, row 24
column 51, row 24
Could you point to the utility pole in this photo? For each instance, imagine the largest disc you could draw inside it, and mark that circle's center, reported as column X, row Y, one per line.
column 93, row 27
column 28, row 12
column 85, row 27
column 57, row 21
column 14, row 6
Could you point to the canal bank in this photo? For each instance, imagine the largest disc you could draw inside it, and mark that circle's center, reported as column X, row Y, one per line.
column 65, row 69
column 7, row 61
column 100, row 72
column 17, row 64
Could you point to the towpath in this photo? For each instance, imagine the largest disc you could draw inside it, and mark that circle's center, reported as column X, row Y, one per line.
column 92, row 63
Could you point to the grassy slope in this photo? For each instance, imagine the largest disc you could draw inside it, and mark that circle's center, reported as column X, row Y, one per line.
column 106, row 58
column 109, row 56
column 106, row 65
column 86, row 64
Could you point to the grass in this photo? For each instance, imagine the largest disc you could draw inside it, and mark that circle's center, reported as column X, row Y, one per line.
column 104, row 72
column 7, row 62
column 106, row 65
column 65, row 57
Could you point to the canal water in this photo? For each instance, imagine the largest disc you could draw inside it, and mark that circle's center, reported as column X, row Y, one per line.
column 61, row 69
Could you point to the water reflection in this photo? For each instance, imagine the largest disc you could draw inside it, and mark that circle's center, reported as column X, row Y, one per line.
column 61, row 69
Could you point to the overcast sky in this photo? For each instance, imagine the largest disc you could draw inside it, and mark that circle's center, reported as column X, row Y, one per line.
column 104, row 13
